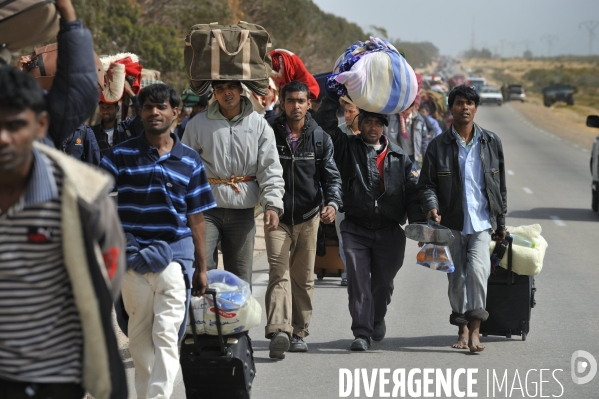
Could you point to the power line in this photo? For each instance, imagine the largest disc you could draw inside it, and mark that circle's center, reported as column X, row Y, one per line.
column 550, row 39
column 590, row 26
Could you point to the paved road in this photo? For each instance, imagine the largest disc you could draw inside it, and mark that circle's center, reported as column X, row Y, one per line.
column 548, row 183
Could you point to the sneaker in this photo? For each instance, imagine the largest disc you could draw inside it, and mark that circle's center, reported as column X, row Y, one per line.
column 279, row 344
column 298, row 344
column 379, row 330
column 429, row 232
column 343, row 282
column 361, row 343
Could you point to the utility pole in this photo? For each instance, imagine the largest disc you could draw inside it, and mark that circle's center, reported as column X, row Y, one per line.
column 590, row 26
column 526, row 44
column 472, row 42
column 502, row 41
column 549, row 39
column 513, row 46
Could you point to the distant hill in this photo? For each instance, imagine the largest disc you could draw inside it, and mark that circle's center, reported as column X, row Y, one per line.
column 155, row 30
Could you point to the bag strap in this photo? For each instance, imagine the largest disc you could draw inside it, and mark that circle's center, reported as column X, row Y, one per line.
column 218, row 34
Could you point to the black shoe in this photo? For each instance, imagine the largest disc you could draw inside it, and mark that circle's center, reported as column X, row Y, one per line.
column 343, row 282
column 361, row 343
column 379, row 330
column 279, row 344
column 298, row 344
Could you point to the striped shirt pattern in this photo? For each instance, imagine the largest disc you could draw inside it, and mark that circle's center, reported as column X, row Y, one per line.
column 40, row 329
column 156, row 193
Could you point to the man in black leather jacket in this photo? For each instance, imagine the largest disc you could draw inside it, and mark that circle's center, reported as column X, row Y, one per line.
column 306, row 155
column 462, row 186
column 379, row 191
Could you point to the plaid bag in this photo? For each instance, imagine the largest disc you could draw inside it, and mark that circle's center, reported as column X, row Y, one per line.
column 228, row 52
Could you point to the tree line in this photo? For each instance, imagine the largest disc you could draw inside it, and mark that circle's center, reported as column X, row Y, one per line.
column 155, row 30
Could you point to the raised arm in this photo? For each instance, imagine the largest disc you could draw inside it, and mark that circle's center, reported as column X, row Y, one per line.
column 74, row 94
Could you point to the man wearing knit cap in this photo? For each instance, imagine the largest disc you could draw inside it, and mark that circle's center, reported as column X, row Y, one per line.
column 379, row 192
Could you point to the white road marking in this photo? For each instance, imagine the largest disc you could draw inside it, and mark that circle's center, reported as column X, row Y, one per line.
column 527, row 190
column 511, row 173
column 558, row 221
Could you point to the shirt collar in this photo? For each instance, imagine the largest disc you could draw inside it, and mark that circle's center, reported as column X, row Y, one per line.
column 476, row 136
column 145, row 147
column 42, row 185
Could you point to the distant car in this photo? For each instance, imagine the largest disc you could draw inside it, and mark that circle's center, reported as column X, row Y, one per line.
column 478, row 82
column 490, row 95
column 515, row 92
column 558, row 92
column 593, row 121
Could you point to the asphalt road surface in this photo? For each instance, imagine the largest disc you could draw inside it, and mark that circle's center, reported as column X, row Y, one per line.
column 548, row 183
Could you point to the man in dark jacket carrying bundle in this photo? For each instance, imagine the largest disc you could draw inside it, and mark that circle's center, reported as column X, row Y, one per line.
column 306, row 155
column 462, row 187
column 379, row 191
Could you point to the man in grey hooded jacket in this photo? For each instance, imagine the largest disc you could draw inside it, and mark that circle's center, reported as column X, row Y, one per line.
column 238, row 149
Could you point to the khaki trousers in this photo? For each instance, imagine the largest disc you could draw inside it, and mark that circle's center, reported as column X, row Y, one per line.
column 291, row 250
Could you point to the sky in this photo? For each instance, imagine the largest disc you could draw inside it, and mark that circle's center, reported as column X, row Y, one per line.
column 506, row 27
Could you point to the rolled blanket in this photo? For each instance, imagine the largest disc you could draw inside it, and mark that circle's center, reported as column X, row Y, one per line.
column 122, row 66
column 526, row 261
column 287, row 67
column 375, row 77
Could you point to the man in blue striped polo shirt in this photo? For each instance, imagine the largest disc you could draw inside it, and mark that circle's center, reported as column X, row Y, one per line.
column 162, row 192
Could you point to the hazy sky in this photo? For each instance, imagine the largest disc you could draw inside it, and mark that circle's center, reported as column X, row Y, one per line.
column 449, row 24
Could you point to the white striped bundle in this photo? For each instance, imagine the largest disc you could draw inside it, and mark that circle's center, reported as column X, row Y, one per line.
column 380, row 81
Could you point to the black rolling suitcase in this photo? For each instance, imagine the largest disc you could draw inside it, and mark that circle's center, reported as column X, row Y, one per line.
column 510, row 299
column 216, row 367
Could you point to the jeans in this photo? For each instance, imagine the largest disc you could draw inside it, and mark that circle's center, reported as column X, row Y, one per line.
column 235, row 229
column 291, row 252
column 468, row 283
column 155, row 303
column 373, row 259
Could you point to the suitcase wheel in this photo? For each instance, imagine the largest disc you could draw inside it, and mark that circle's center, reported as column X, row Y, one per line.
column 320, row 276
column 523, row 336
column 508, row 335
column 485, row 334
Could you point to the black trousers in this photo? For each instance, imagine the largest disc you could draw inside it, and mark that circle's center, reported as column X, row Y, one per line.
column 31, row 390
column 372, row 259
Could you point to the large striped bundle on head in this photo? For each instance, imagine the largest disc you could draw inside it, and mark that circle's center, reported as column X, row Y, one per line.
column 375, row 77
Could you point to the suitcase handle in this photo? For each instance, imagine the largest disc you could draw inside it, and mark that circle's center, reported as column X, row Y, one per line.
column 212, row 291
column 194, row 332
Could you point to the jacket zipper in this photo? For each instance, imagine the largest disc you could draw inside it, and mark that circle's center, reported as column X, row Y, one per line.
column 292, row 177
column 482, row 159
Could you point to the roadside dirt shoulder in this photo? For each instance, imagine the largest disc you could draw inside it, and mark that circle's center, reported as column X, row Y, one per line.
column 560, row 120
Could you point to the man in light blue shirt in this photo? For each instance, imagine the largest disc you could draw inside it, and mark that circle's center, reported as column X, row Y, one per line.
column 463, row 180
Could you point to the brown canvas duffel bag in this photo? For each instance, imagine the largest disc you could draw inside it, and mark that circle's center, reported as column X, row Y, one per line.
column 43, row 66
column 228, row 52
column 25, row 23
